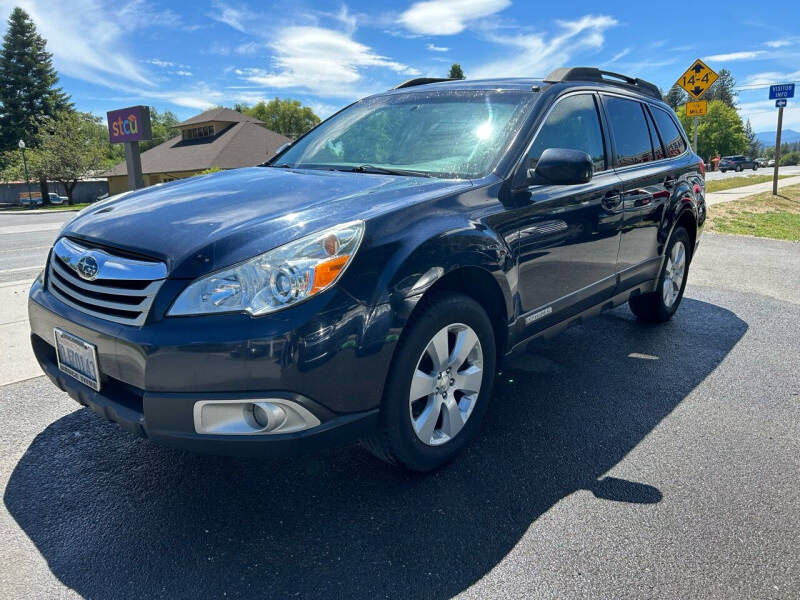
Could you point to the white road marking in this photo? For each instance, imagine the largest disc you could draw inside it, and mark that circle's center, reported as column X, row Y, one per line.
column 30, row 228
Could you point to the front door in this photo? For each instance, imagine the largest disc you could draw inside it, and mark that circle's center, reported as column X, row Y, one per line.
column 568, row 237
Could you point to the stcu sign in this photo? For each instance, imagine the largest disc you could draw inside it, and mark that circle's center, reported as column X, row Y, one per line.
column 129, row 124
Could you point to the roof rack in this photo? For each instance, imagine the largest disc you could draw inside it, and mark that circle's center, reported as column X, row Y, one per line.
column 422, row 81
column 595, row 74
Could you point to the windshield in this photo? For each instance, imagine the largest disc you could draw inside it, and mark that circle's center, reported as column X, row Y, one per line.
column 460, row 134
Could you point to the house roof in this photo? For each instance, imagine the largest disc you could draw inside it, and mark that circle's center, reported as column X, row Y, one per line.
column 219, row 114
column 243, row 144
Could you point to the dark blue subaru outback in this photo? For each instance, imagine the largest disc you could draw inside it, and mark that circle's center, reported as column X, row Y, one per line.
column 364, row 283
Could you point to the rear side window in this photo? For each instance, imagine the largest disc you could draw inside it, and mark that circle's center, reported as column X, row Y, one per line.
column 573, row 124
column 671, row 136
column 629, row 127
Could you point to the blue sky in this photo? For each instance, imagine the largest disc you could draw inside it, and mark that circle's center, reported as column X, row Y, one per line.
column 186, row 56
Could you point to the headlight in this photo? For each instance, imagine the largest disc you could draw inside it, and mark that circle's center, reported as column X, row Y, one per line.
column 276, row 279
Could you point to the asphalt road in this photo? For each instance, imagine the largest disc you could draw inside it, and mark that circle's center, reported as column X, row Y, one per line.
column 25, row 241
column 714, row 175
column 618, row 460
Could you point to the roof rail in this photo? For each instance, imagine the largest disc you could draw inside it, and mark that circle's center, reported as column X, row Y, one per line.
column 595, row 74
column 422, row 81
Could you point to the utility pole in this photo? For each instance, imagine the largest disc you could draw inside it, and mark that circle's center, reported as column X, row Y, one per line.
column 777, row 152
column 21, row 145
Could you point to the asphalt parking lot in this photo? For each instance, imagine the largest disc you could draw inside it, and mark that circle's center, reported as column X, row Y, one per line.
column 618, row 460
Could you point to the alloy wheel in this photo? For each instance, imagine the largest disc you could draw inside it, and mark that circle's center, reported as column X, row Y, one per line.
column 446, row 384
column 674, row 274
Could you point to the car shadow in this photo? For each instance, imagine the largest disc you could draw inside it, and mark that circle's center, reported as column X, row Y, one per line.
column 118, row 517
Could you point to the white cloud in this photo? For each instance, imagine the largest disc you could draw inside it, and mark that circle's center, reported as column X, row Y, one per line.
column 778, row 43
column 182, row 73
column 448, row 17
column 767, row 78
column 746, row 55
column 535, row 55
column 159, row 63
column 433, row 48
column 87, row 37
column 237, row 18
column 326, row 61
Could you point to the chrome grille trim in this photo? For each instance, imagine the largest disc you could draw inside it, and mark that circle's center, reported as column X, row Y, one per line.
column 113, row 271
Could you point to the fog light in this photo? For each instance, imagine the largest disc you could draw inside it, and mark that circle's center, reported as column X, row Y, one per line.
column 249, row 417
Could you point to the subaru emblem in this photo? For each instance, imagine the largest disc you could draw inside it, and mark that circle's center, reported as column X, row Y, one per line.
column 87, row 267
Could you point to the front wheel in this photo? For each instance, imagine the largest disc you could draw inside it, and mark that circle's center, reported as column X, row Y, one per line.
column 439, row 385
column 755, row 167
column 739, row 169
column 660, row 305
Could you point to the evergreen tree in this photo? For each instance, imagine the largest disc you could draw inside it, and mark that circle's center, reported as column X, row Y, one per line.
column 723, row 89
column 675, row 96
column 28, row 92
column 456, row 72
column 753, row 145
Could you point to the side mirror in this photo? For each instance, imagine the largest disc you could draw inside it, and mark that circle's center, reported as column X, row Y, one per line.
column 561, row 166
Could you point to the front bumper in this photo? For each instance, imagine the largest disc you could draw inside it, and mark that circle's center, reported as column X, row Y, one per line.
column 152, row 376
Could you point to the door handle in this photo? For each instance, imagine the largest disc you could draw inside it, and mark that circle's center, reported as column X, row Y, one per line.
column 612, row 199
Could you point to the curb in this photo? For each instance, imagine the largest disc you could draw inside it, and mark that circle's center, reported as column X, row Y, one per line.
column 37, row 211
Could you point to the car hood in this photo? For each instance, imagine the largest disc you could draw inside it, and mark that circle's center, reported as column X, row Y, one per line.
column 204, row 223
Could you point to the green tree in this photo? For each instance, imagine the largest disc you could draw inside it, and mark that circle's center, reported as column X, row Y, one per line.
column 721, row 130
column 28, row 92
column 675, row 96
column 753, row 145
column 71, row 146
column 162, row 126
column 285, row 116
column 723, row 89
column 456, row 72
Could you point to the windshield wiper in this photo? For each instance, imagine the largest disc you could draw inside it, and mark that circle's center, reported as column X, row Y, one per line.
column 374, row 169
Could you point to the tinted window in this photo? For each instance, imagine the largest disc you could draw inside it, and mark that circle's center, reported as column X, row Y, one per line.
column 573, row 123
column 655, row 141
column 670, row 134
column 631, row 136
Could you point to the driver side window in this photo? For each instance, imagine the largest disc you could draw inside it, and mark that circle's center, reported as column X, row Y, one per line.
column 573, row 124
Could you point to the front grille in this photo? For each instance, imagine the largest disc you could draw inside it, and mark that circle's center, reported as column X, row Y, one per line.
column 115, row 288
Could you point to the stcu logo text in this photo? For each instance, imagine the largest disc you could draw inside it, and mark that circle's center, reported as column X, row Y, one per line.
column 87, row 267
column 127, row 126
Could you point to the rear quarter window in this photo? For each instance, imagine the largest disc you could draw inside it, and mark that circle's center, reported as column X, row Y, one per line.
column 674, row 143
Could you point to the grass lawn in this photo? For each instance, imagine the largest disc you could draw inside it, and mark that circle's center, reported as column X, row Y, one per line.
column 64, row 206
column 734, row 182
column 763, row 215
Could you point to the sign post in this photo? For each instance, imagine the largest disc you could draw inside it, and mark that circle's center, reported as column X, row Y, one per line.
column 779, row 93
column 129, row 126
column 696, row 80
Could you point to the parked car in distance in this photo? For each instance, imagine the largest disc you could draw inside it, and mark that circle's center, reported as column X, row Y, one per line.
column 771, row 162
column 366, row 282
column 737, row 163
column 762, row 162
column 55, row 199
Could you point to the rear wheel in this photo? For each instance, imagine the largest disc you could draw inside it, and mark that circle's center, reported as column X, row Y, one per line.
column 438, row 387
column 738, row 168
column 755, row 167
column 660, row 305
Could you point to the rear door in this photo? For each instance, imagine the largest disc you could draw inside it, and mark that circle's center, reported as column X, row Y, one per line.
column 568, row 235
column 642, row 166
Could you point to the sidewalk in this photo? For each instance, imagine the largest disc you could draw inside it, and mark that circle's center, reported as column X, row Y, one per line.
column 748, row 190
column 17, row 361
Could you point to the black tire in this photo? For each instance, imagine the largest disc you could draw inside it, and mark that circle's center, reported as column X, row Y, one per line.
column 651, row 308
column 739, row 168
column 396, row 442
column 723, row 170
column 755, row 167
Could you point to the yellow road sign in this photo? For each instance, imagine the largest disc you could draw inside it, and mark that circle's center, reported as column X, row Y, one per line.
column 696, row 109
column 697, row 79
